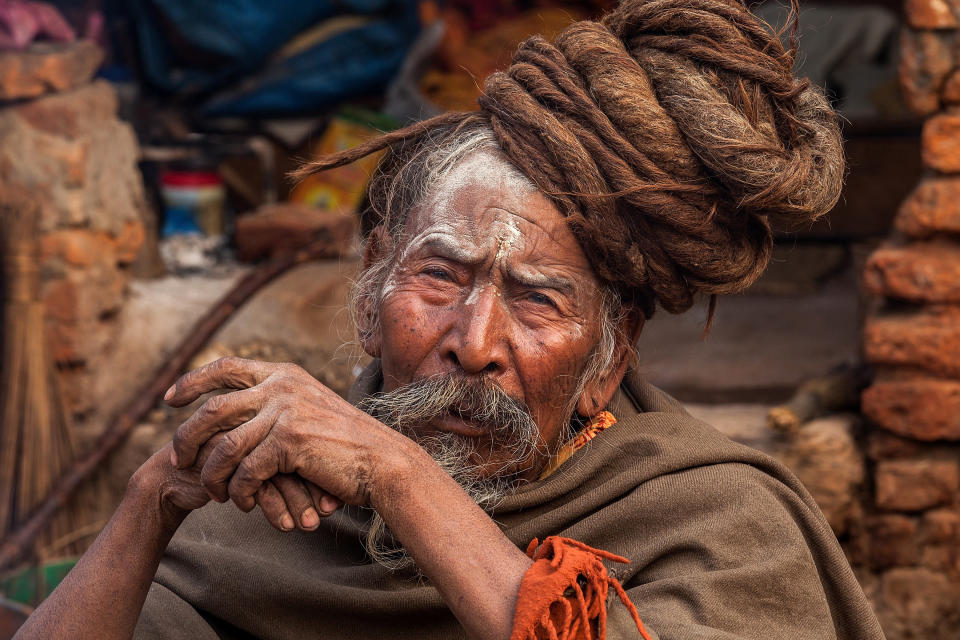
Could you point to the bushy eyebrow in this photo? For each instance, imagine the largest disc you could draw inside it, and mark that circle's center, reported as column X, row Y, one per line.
column 446, row 246
column 542, row 281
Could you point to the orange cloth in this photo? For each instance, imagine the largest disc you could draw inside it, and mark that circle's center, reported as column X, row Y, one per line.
column 563, row 595
column 597, row 423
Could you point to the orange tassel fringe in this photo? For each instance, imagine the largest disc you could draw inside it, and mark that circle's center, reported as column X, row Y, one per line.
column 563, row 595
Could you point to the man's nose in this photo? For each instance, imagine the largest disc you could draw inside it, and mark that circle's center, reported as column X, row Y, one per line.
column 479, row 342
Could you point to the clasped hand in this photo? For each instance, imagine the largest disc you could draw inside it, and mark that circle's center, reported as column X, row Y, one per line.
column 281, row 439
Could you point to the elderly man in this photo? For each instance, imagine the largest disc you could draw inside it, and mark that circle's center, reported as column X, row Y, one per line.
column 511, row 258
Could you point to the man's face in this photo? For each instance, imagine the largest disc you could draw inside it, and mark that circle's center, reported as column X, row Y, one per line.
column 490, row 282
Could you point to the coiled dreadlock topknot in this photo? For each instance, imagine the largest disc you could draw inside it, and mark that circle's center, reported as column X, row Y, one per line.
column 672, row 134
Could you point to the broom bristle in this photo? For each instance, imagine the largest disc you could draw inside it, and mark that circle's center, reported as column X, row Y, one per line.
column 36, row 444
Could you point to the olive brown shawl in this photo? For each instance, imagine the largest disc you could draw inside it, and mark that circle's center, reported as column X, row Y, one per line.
column 723, row 543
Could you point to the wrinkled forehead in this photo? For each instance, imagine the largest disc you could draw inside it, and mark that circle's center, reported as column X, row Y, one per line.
column 483, row 201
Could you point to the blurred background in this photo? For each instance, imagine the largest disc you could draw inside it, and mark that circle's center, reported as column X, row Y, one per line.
column 148, row 227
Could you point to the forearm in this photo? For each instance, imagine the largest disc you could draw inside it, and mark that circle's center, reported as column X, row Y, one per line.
column 466, row 557
column 102, row 596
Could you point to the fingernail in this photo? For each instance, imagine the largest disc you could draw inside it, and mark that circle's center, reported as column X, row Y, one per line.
column 309, row 519
column 328, row 504
column 169, row 393
column 174, row 460
column 286, row 522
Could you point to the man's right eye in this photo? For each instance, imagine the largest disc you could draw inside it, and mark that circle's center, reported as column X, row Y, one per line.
column 438, row 273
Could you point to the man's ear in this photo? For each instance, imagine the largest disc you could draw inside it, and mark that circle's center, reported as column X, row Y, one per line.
column 376, row 249
column 597, row 394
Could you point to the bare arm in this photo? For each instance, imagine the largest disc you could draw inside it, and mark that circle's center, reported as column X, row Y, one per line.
column 102, row 596
column 473, row 565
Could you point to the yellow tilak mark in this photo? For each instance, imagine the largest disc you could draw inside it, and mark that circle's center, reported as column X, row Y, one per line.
column 597, row 423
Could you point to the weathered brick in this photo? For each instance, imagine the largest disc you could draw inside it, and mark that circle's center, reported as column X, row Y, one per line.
column 951, row 89
column 893, row 541
column 919, row 272
column 280, row 227
column 46, row 67
column 927, row 340
column 71, row 114
column 129, row 242
column 933, row 207
column 914, row 485
column 917, row 603
column 940, row 526
column 927, row 57
column 78, row 247
column 921, row 408
column 882, row 445
column 940, row 539
column 940, row 142
column 930, row 14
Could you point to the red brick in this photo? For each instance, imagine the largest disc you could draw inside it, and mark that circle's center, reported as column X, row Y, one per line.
column 927, row 57
column 940, row 143
column 928, row 340
column 72, row 114
column 914, row 485
column 78, row 247
column 951, row 89
column 933, row 207
column 919, row 272
column 281, row 227
column 47, row 67
column 893, row 541
column 940, row 526
column 920, row 408
column 130, row 241
column 930, row 14
column 884, row 445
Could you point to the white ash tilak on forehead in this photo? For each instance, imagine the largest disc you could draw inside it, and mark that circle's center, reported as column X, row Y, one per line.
column 484, row 167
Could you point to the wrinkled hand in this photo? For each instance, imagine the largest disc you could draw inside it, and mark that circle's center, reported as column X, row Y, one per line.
column 280, row 426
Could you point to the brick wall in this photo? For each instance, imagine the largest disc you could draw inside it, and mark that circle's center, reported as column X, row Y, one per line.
column 62, row 143
column 912, row 340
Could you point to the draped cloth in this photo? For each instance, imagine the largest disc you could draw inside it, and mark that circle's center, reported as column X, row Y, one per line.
column 723, row 543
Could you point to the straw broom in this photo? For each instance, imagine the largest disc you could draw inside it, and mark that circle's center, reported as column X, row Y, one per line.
column 36, row 444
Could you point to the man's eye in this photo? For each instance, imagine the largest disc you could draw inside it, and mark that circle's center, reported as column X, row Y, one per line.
column 436, row 272
column 540, row 298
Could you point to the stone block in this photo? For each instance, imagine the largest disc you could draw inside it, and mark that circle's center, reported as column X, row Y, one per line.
column 921, row 408
column 940, row 142
column 940, row 526
column 825, row 456
column 927, row 340
column 78, row 247
column 933, row 207
column 273, row 229
column 47, row 67
column 918, row 272
column 882, row 445
column 893, row 541
column 71, row 114
column 915, row 485
column 930, row 14
column 951, row 89
column 927, row 57
column 917, row 603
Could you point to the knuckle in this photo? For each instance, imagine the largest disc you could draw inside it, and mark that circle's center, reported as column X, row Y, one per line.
column 231, row 444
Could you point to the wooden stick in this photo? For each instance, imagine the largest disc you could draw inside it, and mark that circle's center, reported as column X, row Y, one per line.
column 20, row 541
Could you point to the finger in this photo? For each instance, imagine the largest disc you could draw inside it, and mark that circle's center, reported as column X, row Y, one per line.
column 204, row 454
column 274, row 507
column 218, row 413
column 225, row 373
column 325, row 503
column 299, row 500
column 260, row 465
column 229, row 452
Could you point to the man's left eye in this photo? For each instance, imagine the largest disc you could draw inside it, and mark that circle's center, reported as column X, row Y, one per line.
column 540, row 298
